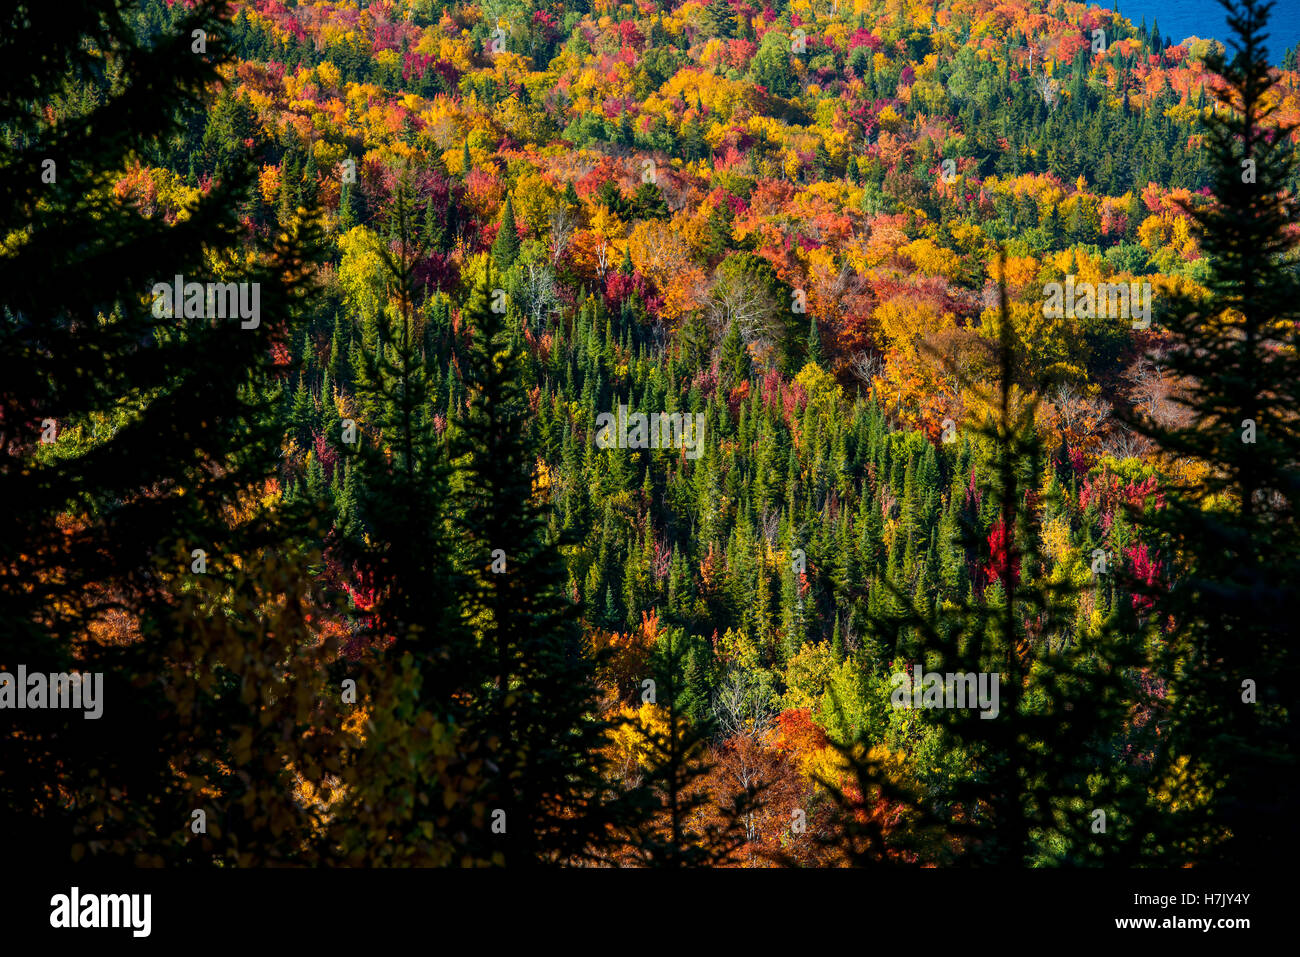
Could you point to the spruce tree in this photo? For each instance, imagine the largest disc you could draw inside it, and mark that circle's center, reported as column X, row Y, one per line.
column 534, row 707
column 718, row 19
column 674, row 827
column 505, row 248
column 1051, row 757
column 816, row 354
column 1228, row 759
column 734, row 365
column 137, row 437
column 399, row 568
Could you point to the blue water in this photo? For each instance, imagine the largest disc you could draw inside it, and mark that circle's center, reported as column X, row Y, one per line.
column 1179, row 19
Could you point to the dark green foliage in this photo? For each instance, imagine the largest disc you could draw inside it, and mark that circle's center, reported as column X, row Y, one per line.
column 505, row 249
column 1043, row 756
column 161, row 423
column 534, row 709
column 1234, row 531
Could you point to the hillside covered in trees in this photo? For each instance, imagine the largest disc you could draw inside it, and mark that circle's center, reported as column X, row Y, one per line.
column 975, row 322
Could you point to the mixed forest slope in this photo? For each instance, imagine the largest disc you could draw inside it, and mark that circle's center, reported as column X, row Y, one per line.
column 791, row 223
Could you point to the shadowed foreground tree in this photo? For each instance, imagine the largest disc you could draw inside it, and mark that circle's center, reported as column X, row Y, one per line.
column 399, row 555
column 533, row 701
column 137, row 442
column 1228, row 761
column 403, row 580
column 1046, row 748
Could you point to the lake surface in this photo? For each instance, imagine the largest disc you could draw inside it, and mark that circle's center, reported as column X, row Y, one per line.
column 1179, row 19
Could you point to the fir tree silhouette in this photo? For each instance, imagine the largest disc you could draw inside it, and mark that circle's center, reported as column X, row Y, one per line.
column 1227, row 764
column 680, row 823
column 158, row 422
column 534, row 706
column 1051, row 757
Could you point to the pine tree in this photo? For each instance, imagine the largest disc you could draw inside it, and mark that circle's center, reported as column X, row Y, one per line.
column 308, row 194
column 673, row 829
column 648, row 202
column 693, row 344
column 402, row 481
column 815, row 353
column 303, row 413
column 129, row 429
column 734, row 365
column 536, row 707
column 351, row 209
column 719, row 19
column 434, row 233
column 1229, row 758
column 1135, row 210
column 505, row 249
column 1048, row 760
column 821, row 159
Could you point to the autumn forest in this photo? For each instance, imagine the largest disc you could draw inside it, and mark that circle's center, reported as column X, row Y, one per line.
column 720, row 433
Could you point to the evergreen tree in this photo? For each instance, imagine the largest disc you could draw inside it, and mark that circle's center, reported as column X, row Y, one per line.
column 133, row 427
column 815, row 353
column 1050, row 758
column 648, row 202
column 535, row 708
column 734, row 366
column 718, row 19
column 1229, row 757
column 401, row 567
column 693, row 344
column 505, row 248
column 434, row 233
column 351, row 208
column 674, row 828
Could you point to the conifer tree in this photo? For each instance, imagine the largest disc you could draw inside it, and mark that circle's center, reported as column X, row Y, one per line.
column 534, row 707
column 401, row 565
column 1230, row 650
column 1050, row 758
column 734, row 365
column 505, row 248
column 816, row 354
column 719, row 19
column 434, row 233
column 680, row 822
column 132, row 426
